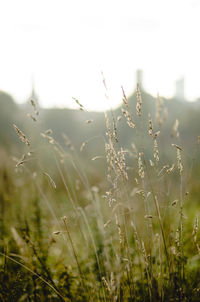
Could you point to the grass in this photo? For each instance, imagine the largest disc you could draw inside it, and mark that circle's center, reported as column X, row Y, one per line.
column 128, row 235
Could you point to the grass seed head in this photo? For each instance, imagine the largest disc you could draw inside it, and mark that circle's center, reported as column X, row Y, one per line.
column 140, row 167
column 21, row 135
column 174, row 131
column 34, row 107
column 156, row 154
column 139, row 101
column 32, row 117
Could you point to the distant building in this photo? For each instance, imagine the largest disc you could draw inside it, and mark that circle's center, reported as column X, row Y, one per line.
column 180, row 89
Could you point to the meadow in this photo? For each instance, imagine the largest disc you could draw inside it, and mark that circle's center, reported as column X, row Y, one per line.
column 120, row 227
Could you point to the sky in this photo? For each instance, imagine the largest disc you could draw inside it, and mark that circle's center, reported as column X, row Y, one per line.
column 63, row 46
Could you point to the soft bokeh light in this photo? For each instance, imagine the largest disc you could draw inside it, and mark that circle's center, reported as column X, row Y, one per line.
column 64, row 45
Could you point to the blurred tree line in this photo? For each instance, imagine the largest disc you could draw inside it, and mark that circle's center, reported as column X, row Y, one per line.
column 89, row 127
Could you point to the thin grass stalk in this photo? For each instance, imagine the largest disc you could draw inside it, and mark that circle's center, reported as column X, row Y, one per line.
column 181, row 228
column 35, row 274
column 142, row 252
column 75, row 255
column 94, row 246
column 159, row 219
column 126, row 236
column 162, row 229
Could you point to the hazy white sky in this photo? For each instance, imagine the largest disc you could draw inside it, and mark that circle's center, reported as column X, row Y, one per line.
column 65, row 44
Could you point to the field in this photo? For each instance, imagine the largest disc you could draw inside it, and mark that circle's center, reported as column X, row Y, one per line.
column 120, row 227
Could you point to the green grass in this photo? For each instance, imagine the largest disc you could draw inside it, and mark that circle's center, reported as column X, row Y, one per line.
column 67, row 234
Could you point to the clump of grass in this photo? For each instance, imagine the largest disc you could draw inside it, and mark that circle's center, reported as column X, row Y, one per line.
column 125, row 237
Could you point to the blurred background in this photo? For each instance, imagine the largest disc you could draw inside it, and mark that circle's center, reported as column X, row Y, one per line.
column 62, row 54
column 63, row 46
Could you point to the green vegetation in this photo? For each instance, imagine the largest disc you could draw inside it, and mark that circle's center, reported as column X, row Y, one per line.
column 115, row 225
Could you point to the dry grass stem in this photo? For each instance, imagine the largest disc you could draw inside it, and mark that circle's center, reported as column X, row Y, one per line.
column 84, row 144
column 52, row 182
